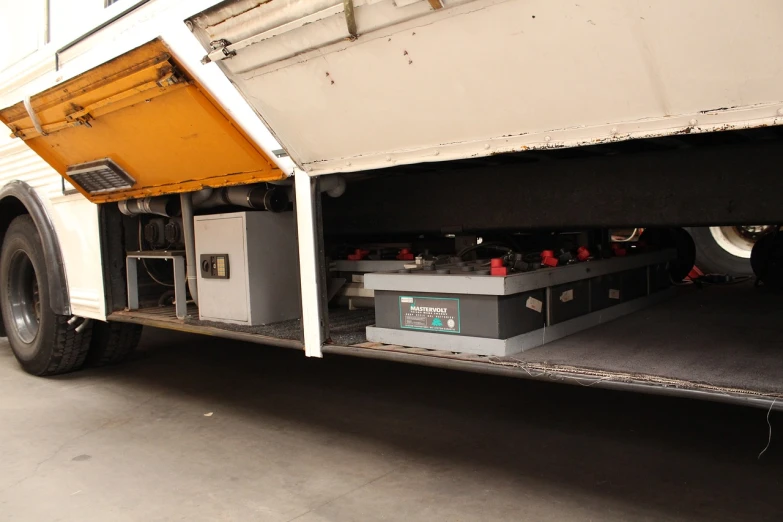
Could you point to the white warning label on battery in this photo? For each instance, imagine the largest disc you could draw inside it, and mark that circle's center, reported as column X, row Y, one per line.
column 566, row 296
column 436, row 314
column 534, row 304
column 614, row 293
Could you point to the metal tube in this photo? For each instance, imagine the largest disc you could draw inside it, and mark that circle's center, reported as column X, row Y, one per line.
column 186, row 202
column 259, row 197
column 161, row 206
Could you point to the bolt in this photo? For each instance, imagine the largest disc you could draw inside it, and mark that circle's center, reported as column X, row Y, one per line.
column 780, row 112
column 613, row 132
column 693, row 122
column 347, row 163
column 388, row 158
column 547, row 138
column 486, row 147
column 437, row 152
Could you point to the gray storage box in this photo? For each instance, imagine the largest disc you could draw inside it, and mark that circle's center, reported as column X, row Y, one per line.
column 257, row 281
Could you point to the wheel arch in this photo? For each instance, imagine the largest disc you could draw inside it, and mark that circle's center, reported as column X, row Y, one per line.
column 18, row 198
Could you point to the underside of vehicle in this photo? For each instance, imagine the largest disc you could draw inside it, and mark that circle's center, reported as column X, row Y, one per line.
column 655, row 328
column 357, row 192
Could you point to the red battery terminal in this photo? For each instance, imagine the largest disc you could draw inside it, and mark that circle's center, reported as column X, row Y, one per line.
column 582, row 253
column 358, row 254
column 548, row 258
column 497, row 267
column 405, row 255
column 618, row 250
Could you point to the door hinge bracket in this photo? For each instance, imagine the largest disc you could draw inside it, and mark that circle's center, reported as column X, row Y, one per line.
column 221, row 46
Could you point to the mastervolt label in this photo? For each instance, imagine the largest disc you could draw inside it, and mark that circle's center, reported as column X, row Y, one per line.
column 435, row 314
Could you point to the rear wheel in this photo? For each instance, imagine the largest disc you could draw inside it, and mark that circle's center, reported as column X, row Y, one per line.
column 726, row 250
column 112, row 342
column 43, row 342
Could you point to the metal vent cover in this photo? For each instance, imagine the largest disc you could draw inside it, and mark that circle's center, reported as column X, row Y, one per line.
column 100, row 176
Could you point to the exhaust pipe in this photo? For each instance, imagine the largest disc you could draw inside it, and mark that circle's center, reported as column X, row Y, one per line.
column 161, row 206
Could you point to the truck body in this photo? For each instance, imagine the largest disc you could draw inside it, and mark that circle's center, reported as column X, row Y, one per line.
column 430, row 181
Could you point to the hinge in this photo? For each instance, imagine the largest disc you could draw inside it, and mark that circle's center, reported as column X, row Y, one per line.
column 220, row 51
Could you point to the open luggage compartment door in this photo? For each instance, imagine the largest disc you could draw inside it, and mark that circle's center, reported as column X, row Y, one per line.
column 138, row 126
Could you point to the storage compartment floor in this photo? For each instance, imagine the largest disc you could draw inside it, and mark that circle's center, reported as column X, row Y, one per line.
column 290, row 330
column 349, row 327
column 725, row 336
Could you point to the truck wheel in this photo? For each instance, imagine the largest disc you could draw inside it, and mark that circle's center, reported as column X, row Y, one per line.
column 43, row 342
column 726, row 250
column 112, row 342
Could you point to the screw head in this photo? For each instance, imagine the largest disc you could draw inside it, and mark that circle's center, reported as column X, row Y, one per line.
column 547, row 138
column 693, row 122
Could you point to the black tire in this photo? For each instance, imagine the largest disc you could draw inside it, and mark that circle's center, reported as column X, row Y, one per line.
column 711, row 258
column 678, row 239
column 112, row 342
column 43, row 342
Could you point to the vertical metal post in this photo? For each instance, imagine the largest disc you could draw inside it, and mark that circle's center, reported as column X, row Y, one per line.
column 133, row 285
column 310, row 262
column 180, row 296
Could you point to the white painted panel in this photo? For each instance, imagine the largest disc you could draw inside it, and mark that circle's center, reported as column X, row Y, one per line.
column 75, row 222
column 491, row 76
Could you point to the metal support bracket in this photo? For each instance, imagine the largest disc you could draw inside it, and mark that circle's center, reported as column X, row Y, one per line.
column 310, row 263
column 350, row 18
column 33, row 116
column 180, row 295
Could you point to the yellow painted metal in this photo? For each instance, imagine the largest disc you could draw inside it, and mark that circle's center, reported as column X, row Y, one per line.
column 144, row 112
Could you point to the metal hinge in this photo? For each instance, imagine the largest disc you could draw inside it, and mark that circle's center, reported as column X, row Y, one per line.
column 219, row 45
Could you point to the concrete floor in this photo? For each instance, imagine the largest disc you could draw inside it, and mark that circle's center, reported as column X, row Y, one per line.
column 355, row 440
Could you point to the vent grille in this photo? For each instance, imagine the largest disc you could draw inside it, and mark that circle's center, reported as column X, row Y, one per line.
column 100, row 176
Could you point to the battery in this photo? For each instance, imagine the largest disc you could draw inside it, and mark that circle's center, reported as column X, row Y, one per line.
column 487, row 316
column 463, row 308
column 567, row 301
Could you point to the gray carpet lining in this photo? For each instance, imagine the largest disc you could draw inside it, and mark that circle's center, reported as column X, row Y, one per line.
column 723, row 336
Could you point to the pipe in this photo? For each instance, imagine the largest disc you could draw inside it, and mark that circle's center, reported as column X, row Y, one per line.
column 186, row 202
column 201, row 196
column 334, row 186
column 161, row 206
column 259, row 197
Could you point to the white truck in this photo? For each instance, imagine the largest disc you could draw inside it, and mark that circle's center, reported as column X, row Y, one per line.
column 439, row 182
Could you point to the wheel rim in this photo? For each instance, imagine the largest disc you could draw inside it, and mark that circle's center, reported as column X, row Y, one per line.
column 24, row 296
column 739, row 241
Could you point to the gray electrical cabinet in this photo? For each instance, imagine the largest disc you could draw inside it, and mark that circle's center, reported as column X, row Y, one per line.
column 248, row 267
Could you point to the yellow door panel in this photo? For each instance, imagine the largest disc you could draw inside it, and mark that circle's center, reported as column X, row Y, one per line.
column 144, row 113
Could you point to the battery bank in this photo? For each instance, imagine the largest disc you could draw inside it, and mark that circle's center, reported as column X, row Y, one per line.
column 463, row 308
